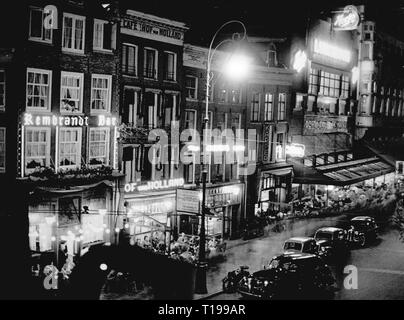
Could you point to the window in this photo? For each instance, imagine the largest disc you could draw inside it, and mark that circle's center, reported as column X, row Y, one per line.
column 2, row 149
column 70, row 147
column 37, row 148
column 100, row 93
column 129, row 59
column 37, row 31
column 282, row 106
column 280, row 148
column 131, row 106
column 170, row 108
column 99, row 146
column 102, row 35
column 71, row 92
column 191, row 84
column 2, row 90
column 235, row 121
column 329, row 84
column 255, row 106
column 151, row 101
column 235, row 96
column 345, row 87
column 190, row 117
column 150, row 63
column 171, row 66
column 38, row 89
column 223, row 93
column 313, row 81
column 73, row 32
column 269, row 111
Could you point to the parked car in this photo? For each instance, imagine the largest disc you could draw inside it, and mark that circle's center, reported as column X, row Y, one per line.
column 287, row 276
column 229, row 283
column 300, row 245
column 331, row 243
column 363, row 230
column 253, row 228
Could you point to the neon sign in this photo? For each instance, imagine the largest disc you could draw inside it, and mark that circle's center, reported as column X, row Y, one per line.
column 154, row 185
column 68, row 121
column 331, row 51
column 300, row 61
column 348, row 19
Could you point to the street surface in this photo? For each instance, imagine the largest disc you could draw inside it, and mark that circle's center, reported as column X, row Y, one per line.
column 380, row 265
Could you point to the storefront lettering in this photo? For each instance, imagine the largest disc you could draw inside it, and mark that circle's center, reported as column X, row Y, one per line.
column 155, row 185
column 332, row 51
column 68, row 121
column 150, row 28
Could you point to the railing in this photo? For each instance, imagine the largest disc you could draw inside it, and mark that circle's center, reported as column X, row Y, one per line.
column 149, row 73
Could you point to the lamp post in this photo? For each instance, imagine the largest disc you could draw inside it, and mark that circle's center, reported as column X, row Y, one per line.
column 200, row 285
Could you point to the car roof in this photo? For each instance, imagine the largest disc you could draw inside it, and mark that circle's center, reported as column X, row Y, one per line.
column 299, row 239
column 329, row 229
column 360, row 218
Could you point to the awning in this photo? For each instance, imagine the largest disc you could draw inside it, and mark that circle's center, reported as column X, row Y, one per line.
column 342, row 174
column 74, row 189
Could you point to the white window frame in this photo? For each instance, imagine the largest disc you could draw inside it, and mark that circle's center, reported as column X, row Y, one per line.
column 195, row 119
column 268, row 105
column 175, row 67
column 136, row 59
column 4, row 143
column 79, row 130
column 80, row 76
column 31, row 38
column 42, row 71
column 107, row 146
column 100, row 48
column 259, row 107
column 156, row 63
column 3, row 84
column 239, row 98
column 280, row 112
column 74, row 18
column 108, row 109
column 196, row 88
column 48, row 146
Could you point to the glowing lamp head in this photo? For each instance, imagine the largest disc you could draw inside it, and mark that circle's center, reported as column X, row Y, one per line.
column 237, row 67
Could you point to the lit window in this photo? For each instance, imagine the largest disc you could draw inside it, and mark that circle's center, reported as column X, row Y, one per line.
column 191, row 87
column 235, row 96
column 313, row 81
column 99, row 146
column 280, row 146
column 151, row 102
column 282, row 106
column 71, row 92
column 38, row 89
column 70, row 147
column 269, row 111
column 37, row 31
column 102, row 35
column 100, row 93
column 37, row 148
column 255, row 106
column 171, row 66
column 2, row 149
column 2, row 90
column 129, row 59
column 150, row 63
column 73, row 32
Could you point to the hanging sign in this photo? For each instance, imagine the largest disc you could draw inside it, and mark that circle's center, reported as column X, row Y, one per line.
column 346, row 20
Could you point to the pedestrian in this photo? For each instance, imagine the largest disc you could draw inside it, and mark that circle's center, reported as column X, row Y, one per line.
column 351, row 231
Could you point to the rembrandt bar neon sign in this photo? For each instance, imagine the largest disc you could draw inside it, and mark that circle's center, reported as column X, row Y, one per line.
column 68, row 121
column 329, row 50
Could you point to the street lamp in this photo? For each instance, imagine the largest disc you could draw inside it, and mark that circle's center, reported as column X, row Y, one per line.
column 236, row 68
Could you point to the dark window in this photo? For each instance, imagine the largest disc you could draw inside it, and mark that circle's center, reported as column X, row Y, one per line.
column 129, row 59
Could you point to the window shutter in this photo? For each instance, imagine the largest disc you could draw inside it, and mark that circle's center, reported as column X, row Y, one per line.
column 107, row 36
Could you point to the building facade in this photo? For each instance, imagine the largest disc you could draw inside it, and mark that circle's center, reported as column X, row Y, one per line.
column 65, row 97
column 151, row 82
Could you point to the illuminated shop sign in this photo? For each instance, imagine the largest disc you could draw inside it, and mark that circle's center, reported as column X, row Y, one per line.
column 66, row 121
column 299, row 61
column 154, row 185
column 295, row 150
column 348, row 19
column 332, row 51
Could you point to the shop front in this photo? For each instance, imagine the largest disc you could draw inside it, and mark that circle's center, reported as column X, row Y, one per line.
column 65, row 223
column 225, row 204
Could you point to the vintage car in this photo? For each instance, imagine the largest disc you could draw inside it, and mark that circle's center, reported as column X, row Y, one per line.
column 288, row 276
column 364, row 230
column 300, row 245
column 331, row 243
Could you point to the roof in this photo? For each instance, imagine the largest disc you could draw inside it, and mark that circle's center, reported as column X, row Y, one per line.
column 296, row 256
column 299, row 239
column 358, row 218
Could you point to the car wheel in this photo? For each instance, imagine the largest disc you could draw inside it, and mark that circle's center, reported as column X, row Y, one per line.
column 362, row 241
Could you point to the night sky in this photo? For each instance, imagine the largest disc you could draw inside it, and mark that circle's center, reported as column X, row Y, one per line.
column 265, row 17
